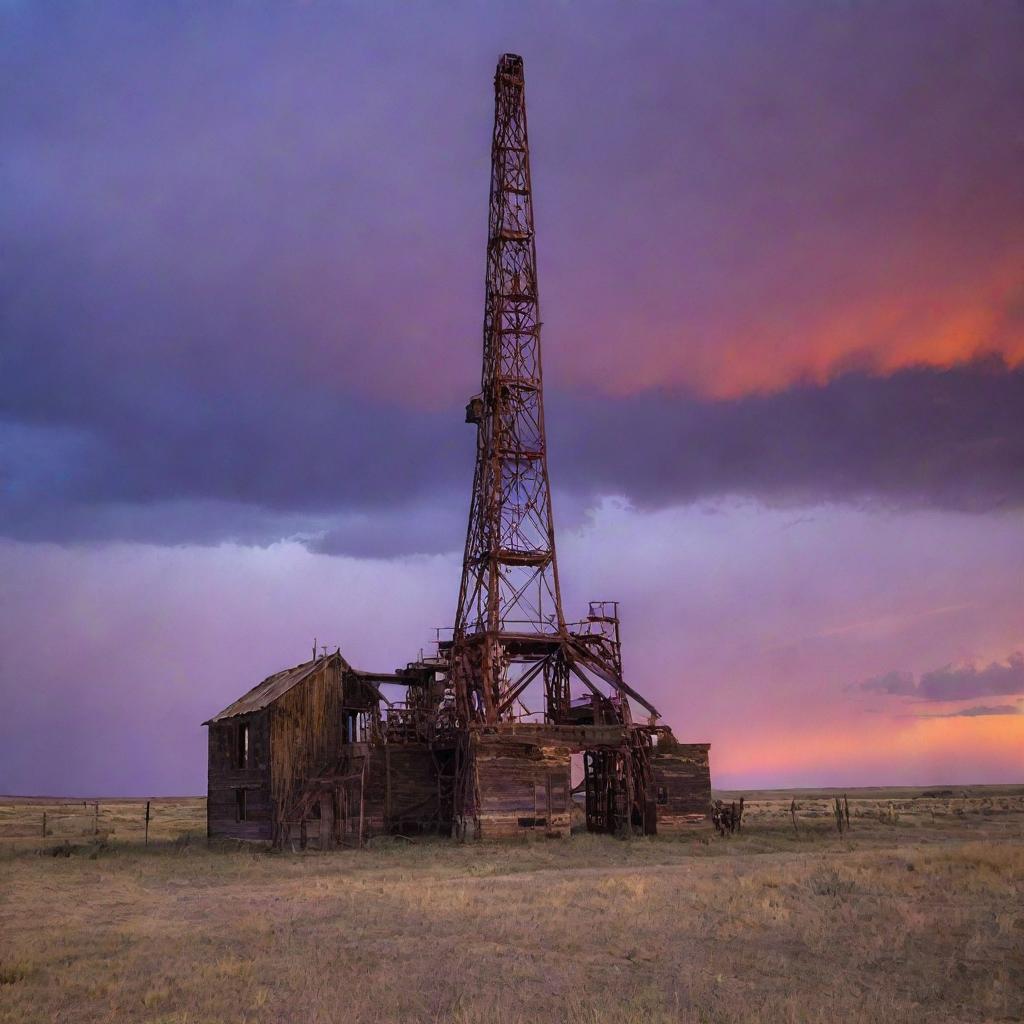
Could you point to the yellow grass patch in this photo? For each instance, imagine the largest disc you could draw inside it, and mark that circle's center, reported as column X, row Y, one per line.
column 890, row 922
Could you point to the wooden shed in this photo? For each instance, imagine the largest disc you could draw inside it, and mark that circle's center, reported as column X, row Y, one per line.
column 305, row 757
column 264, row 746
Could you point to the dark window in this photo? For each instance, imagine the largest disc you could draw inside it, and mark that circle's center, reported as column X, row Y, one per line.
column 663, row 794
column 239, row 805
column 242, row 760
column 532, row 822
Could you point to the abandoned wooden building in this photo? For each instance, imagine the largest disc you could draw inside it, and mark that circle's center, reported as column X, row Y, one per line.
column 316, row 755
column 484, row 737
column 303, row 755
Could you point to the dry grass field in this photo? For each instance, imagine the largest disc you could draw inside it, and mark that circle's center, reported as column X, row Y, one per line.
column 916, row 915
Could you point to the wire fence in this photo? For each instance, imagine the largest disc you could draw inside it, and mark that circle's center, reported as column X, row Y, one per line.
column 132, row 820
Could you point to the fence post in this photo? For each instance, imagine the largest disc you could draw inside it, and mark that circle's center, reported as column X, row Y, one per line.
column 147, row 823
column 842, row 813
column 44, row 823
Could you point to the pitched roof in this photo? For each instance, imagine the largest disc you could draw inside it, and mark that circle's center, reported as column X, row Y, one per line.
column 265, row 693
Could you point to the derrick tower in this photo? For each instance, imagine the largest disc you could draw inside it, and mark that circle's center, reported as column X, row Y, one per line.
column 509, row 627
column 482, row 742
column 509, row 606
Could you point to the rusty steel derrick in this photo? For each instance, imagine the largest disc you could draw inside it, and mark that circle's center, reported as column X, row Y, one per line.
column 509, row 605
column 510, row 631
column 511, row 644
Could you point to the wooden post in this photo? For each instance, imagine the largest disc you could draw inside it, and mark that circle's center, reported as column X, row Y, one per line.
column 147, row 823
column 387, row 789
column 792, row 814
column 846, row 811
column 44, row 823
column 336, row 799
column 96, row 820
column 326, row 820
column 362, row 789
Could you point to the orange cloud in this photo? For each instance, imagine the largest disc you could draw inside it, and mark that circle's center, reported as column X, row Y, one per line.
column 735, row 353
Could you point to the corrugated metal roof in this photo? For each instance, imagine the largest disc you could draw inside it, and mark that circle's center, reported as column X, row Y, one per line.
column 265, row 693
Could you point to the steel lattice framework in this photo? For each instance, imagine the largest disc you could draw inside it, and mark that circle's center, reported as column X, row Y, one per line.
column 509, row 626
column 509, row 584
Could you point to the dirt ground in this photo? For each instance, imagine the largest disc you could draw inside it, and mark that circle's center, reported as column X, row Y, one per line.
column 915, row 915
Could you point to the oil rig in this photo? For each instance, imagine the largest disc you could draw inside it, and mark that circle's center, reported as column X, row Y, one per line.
column 483, row 738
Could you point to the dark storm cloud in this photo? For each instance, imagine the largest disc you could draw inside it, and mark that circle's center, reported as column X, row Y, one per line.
column 365, row 477
column 951, row 439
column 955, row 682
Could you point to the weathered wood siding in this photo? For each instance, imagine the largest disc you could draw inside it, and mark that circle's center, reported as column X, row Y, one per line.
column 682, row 773
column 305, row 734
column 225, row 778
column 401, row 793
column 522, row 788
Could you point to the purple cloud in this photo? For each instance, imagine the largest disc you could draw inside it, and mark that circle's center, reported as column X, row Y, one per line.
column 977, row 711
column 965, row 682
column 240, row 297
column 364, row 477
column 891, row 684
column 954, row 682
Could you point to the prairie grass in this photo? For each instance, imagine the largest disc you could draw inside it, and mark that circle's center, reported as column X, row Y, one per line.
column 896, row 922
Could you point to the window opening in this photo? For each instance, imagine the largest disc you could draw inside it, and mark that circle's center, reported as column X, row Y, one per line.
column 243, row 745
column 356, row 727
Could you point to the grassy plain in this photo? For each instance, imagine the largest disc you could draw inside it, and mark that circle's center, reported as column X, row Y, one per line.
column 916, row 915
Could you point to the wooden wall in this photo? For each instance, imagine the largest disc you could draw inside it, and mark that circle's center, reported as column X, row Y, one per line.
column 305, row 734
column 225, row 778
column 682, row 771
column 522, row 788
column 378, row 790
column 402, row 793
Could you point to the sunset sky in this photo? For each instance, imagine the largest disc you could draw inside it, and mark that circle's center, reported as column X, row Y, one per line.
column 781, row 256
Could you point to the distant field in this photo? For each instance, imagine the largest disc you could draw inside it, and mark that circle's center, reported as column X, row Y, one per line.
column 915, row 915
column 911, row 808
column 122, row 820
column 117, row 820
